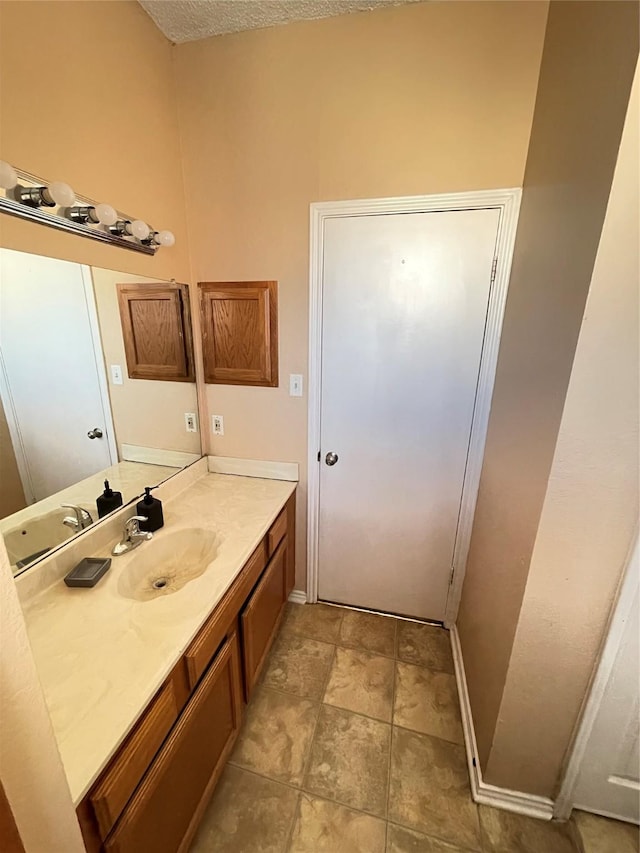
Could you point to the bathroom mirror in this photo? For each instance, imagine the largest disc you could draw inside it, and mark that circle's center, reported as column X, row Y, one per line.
column 96, row 382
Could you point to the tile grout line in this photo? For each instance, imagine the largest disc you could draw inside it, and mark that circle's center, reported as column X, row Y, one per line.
column 323, row 797
column 398, row 620
column 338, row 643
column 354, row 648
column 302, row 791
column 318, row 705
column 456, row 848
column 393, row 713
column 289, row 837
column 307, row 761
column 342, row 645
column 388, row 722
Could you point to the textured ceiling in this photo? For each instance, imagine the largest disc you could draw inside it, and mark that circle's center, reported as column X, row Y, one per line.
column 188, row 20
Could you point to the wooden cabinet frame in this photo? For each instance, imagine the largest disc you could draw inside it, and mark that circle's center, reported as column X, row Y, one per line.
column 123, row 799
column 176, row 780
column 239, row 324
column 260, row 619
column 176, row 297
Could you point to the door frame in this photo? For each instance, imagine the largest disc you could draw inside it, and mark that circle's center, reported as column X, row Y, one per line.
column 101, row 367
column 103, row 389
column 620, row 613
column 507, row 201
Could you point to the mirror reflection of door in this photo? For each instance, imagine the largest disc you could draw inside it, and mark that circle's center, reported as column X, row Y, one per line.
column 53, row 387
column 72, row 412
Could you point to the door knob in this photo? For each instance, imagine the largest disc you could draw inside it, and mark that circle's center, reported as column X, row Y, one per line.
column 96, row 432
column 331, row 458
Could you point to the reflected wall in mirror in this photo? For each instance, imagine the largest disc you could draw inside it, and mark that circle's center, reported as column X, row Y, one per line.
column 71, row 412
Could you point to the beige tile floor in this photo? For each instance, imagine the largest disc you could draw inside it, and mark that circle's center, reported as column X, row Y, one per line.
column 352, row 743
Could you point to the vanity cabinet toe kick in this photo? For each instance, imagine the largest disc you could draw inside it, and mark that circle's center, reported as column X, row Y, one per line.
column 152, row 795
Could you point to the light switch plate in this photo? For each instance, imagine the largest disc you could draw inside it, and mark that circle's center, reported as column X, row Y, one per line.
column 217, row 424
column 295, row 385
column 191, row 422
column 116, row 374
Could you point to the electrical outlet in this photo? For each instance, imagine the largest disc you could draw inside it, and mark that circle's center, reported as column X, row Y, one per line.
column 217, row 424
column 116, row 374
column 190, row 422
column 295, row 385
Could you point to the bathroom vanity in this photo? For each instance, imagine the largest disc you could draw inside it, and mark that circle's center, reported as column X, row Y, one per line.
column 146, row 682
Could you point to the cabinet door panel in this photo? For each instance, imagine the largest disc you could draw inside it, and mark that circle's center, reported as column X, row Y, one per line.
column 239, row 328
column 156, row 330
column 124, row 774
column 163, row 814
column 200, row 652
column 261, row 616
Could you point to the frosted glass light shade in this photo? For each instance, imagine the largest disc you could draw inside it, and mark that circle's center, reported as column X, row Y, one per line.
column 62, row 194
column 106, row 214
column 8, row 175
column 165, row 238
column 140, row 229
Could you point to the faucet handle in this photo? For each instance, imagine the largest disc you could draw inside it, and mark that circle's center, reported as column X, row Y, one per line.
column 132, row 525
column 83, row 517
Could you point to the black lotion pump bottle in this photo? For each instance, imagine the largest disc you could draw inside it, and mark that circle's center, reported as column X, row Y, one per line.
column 151, row 509
column 108, row 500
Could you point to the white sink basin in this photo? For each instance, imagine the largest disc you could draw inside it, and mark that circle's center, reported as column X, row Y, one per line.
column 166, row 564
column 40, row 533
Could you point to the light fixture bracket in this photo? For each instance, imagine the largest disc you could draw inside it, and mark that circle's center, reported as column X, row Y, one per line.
column 27, row 201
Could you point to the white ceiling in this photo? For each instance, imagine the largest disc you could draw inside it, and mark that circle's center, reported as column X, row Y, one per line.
column 188, row 20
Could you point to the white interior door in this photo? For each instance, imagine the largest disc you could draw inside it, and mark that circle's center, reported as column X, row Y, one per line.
column 50, row 382
column 404, row 306
column 609, row 779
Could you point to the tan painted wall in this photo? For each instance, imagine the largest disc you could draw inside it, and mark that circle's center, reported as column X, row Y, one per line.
column 103, row 119
column 590, row 510
column 426, row 98
column 587, row 68
column 30, row 767
column 147, row 413
column 11, row 494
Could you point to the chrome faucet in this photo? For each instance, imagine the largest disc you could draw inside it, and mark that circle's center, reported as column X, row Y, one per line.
column 132, row 536
column 82, row 518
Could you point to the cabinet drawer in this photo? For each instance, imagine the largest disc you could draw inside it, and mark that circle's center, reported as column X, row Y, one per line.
column 276, row 532
column 203, row 648
column 121, row 779
column 164, row 812
column 260, row 617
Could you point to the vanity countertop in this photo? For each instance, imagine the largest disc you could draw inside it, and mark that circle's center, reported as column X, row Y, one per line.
column 101, row 656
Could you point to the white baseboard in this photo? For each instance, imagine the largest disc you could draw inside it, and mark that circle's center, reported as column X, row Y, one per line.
column 297, row 596
column 481, row 791
column 254, row 468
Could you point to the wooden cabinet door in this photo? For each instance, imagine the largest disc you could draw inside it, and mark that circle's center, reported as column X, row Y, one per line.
column 239, row 332
column 109, row 797
column 165, row 811
column 156, row 329
column 261, row 617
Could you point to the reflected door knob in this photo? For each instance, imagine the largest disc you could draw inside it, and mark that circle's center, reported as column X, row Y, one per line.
column 331, row 458
column 96, row 432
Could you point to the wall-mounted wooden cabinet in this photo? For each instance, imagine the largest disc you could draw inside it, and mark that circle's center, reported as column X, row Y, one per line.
column 239, row 322
column 156, row 329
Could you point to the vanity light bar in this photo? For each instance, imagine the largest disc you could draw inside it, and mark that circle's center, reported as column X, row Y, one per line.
column 57, row 205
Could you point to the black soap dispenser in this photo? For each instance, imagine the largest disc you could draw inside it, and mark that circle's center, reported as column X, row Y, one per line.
column 151, row 509
column 108, row 500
